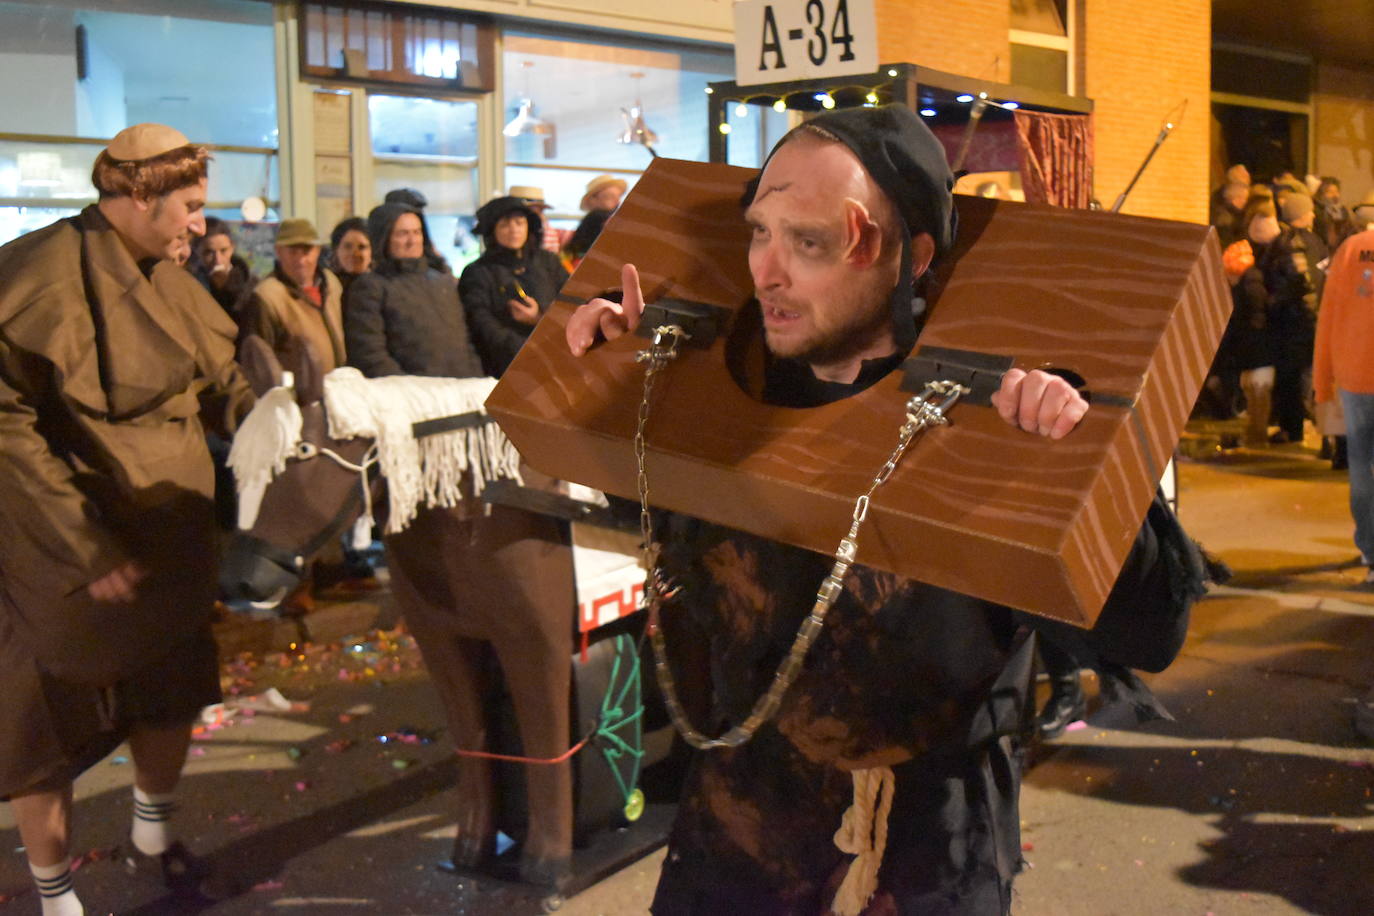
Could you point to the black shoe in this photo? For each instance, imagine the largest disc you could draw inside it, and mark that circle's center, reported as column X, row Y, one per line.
column 1066, row 706
column 179, row 870
column 1340, row 457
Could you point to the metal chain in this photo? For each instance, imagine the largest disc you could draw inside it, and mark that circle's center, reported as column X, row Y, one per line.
column 924, row 410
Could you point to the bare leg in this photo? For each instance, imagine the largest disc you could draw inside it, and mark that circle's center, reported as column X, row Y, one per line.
column 45, row 820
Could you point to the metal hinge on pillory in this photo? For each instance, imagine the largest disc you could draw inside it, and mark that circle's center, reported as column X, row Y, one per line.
column 922, row 411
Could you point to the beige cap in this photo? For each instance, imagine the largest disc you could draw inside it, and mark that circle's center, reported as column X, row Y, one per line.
column 599, row 183
column 298, row 232
column 532, row 196
column 144, row 141
column 1295, row 207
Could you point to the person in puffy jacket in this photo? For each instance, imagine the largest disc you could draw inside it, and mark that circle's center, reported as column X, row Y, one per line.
column 404, row 318
column 512, row 284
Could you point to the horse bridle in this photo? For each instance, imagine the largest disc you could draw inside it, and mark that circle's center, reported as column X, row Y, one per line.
column 293, row 562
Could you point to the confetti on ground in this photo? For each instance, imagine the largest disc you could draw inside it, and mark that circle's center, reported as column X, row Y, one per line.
column 118, row 761
column 269, row 885
column 1075, row 726
column 92, row 855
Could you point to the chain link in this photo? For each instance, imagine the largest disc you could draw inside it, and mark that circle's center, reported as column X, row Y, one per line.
column 924, row 410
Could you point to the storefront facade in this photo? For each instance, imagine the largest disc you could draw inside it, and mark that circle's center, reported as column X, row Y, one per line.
column 319, row 109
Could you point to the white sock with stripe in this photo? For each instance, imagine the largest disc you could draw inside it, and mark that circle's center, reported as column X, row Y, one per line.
column 55, row 889
column 152, row 821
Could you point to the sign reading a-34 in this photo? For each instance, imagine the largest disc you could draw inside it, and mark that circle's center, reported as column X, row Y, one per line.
column 779, row 40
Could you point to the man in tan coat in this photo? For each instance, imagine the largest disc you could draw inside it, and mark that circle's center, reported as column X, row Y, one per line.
column 301, row 301
column 110, row 355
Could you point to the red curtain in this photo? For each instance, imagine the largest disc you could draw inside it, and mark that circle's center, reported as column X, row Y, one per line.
column 1055, row 157
column 995, row 147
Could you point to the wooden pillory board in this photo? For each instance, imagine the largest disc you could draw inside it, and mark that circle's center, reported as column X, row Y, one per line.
column 1134, row 305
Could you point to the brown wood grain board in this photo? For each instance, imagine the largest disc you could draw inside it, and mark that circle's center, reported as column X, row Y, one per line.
column 1135, row 305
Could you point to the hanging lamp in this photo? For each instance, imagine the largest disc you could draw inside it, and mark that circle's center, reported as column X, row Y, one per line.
column 636, row 131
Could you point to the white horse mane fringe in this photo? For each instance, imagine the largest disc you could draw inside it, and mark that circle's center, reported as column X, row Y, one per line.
column 426, row 471
column 265, row 439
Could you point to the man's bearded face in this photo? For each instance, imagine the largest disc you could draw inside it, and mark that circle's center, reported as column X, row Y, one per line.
column 170, row 222
column 822, row 275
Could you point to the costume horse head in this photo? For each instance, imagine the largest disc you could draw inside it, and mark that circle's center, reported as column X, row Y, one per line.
column 469, row 580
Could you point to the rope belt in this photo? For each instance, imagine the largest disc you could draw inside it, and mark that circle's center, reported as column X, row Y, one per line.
column 863, row 834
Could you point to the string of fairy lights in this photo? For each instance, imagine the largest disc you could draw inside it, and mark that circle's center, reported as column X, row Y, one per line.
column 848, row 96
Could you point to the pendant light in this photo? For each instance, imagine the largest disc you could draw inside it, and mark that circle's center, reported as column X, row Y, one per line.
column 636, row 131
column 526, row 122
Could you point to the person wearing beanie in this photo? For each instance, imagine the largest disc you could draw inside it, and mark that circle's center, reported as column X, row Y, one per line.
column 110, row 357
column 897, row 694
column 1295, row 285
column 1298, row 210
column 416, row 200
column 508, row 289
column 404, row 317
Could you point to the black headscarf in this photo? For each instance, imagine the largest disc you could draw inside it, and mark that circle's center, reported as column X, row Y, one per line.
column 908, row 164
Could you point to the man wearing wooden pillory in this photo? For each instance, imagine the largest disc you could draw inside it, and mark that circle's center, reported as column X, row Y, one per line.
column 871, row 719
column 110, row 356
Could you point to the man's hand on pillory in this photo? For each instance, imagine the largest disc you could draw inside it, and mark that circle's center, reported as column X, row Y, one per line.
column 606, row 318
column 1039, row 402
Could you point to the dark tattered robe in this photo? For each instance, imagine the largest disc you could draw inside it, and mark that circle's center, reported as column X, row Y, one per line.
column 930, row 682
column 104, row 374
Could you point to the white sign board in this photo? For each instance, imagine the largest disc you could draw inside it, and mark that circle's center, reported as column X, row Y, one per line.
column 780, row 40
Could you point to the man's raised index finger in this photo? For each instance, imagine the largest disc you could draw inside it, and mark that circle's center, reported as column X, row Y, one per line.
column 633, row 300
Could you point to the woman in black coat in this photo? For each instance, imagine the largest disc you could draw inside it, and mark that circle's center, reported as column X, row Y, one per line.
column 514, row 281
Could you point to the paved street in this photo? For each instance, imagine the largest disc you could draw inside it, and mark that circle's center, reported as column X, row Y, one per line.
column 1258, row 799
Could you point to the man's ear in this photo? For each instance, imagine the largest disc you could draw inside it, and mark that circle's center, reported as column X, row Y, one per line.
column 141, row 203
column 922, row 253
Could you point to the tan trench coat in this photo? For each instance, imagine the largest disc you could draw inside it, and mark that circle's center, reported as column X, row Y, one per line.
column 104, row 375
column 278, row 311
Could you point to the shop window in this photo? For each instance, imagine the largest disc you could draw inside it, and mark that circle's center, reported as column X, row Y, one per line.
column 1047, row 17
column 398, row 45
column 73, row 75
column 1041, row 45
column 583, row 93
column 430, row 145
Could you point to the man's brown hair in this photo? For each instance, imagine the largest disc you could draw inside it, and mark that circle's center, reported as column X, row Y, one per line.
column 150, row 178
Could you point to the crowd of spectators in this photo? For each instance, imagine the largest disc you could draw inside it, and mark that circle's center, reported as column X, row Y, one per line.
column 1279, row 237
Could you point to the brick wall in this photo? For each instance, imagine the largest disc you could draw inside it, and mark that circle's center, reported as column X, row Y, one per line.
column 1137, row 60
column 968, row 38
column 1343, row 115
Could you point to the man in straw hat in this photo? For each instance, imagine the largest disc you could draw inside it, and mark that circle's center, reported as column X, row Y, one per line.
column 552, row 238
column 898, row 741
column 110, row 355
column 604, row 193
